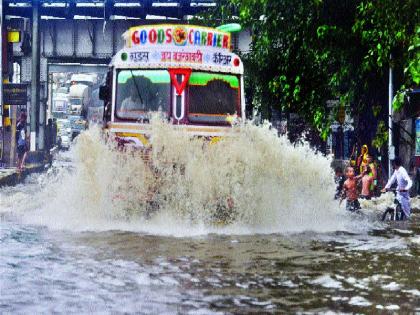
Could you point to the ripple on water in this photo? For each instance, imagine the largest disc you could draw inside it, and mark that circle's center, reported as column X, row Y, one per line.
column 359, row 301
column 327, row 282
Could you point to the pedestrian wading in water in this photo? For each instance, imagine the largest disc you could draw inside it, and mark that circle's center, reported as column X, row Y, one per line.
column 350, row 192
column 367, row 181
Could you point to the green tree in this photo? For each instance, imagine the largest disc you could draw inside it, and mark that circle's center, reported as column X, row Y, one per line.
column 389, row 36
column 390, row 30
column 307, row 52
column 297, row 59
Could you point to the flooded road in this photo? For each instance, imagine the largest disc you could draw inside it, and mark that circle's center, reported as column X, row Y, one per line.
column 45, row 270
column 66, row 248
column 117, row 272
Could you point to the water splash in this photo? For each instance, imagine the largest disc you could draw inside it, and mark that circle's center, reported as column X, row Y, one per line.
column 250, row 182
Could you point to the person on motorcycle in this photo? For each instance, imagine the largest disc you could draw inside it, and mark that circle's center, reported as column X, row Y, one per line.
column 404, row 184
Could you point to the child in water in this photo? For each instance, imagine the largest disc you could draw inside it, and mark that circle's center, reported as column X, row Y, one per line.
column 367, row 181
column 350, row 190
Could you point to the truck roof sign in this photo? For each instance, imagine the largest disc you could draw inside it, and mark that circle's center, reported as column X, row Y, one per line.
column 165, row 46
column 177, row 36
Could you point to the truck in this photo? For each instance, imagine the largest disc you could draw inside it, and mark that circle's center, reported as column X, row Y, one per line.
column 84, row 78
column 186, row 72
column 79, row 99
column 189, row 77
column 60, row 103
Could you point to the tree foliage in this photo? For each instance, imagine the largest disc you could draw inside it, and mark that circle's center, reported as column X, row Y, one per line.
column 305, row 52
column 391, row 29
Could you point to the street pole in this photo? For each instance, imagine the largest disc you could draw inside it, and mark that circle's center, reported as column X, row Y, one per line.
column 49, row 91
column 13, row 115
column 1, row 82
column 391, row 149
column 41, row 127
column 35, row 84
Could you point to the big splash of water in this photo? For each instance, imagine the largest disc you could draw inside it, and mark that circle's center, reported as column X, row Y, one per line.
column 249, row 182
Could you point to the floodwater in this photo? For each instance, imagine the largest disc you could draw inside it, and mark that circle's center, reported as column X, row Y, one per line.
column 61, row 255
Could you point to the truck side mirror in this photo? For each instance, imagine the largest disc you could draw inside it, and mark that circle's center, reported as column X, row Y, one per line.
column 103, row 93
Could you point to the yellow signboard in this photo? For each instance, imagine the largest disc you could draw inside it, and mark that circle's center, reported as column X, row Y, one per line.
column 13, row 36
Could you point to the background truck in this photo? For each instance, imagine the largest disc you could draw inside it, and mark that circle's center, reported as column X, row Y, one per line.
column 80, row 98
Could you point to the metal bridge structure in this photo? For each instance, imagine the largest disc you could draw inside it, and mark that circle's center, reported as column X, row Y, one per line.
column 84, row 31
column 139, row 9
column 73, row 36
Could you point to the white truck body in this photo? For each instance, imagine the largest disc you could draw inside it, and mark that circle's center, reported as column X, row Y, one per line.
column 84, row 78
column 79, row 98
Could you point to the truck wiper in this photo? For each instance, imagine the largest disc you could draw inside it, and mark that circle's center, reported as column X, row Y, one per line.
column 137, row 87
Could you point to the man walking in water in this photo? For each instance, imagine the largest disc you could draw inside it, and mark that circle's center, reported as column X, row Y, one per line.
column 404, row 184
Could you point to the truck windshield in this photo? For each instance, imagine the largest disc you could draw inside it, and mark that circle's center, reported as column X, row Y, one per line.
column 142, row 91
column 212, row 97
column 75, row 101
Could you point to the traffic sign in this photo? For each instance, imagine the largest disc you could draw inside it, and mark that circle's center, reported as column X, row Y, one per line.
column 15, row 93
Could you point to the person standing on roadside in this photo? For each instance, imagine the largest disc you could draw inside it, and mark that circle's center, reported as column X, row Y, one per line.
column 21, row 141
column 362, row 159
column 372, row 173
column 404, row 184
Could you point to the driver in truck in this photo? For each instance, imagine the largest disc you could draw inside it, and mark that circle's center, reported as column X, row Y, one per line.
column 133, row 102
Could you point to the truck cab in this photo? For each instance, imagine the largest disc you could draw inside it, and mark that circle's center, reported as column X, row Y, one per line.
column 79, row 99
column 187, row 73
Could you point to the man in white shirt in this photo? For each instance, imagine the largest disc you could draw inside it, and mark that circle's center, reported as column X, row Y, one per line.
column 404, row 184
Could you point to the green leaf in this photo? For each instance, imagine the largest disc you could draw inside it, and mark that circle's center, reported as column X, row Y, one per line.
column 398, row 101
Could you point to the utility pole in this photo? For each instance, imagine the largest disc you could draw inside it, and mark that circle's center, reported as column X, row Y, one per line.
column 1, row 82
column 35, row 75
column 12, row 114
column 391, row 148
